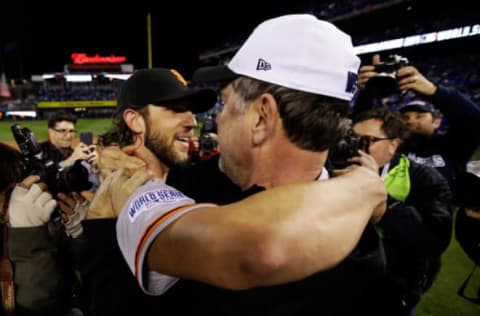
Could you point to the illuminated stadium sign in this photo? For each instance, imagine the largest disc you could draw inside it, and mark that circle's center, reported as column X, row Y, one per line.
column 420, row 39
column 82, row 58
column 76, row 104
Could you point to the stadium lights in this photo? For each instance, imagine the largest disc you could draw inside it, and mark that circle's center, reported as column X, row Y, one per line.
column 48, row 76
column 78, row 78
column 118, row 76
column 32, row 114
column 420, row 39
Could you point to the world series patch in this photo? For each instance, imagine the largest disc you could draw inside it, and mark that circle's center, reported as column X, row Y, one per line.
column 154, row 198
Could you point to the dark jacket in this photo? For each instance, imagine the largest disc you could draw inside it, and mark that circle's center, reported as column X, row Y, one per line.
column 108, row 285
column 415, row 233
column 50, row 152
column 353, row 286
column 457, row 145
column 447, row 151
column 42, row 285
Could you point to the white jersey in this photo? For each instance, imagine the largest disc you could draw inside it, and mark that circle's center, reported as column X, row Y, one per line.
column 150, row 209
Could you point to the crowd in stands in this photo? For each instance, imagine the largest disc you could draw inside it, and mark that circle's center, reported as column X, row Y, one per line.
column 82, row 92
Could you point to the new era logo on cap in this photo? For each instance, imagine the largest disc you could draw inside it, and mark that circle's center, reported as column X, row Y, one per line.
column 300, row 52
column 263, row 65
column 297, row 51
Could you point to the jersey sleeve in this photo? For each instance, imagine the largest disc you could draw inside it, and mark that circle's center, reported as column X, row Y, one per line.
column 150, row 209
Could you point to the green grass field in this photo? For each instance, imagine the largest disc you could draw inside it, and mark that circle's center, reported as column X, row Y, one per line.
column 39, row 128
column 441, row 300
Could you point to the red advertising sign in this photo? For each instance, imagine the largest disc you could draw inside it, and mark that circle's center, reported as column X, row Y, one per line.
column 82, row 58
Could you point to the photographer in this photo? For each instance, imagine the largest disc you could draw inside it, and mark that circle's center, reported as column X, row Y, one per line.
column 58, row 147
column 208, row 146
column 417, row 225
column 448, row 152
column 40, row 284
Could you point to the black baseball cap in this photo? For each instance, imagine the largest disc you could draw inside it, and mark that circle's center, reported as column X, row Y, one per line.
column 163, row 87
column 216, row 74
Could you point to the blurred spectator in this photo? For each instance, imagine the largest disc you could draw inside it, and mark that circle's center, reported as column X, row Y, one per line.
column 40, row 285
column 450, row 151
column 416, row 228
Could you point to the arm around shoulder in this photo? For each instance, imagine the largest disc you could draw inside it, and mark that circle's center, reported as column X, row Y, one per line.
column 276, row 236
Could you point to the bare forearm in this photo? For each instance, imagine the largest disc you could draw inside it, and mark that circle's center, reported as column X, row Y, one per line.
column 280, row 235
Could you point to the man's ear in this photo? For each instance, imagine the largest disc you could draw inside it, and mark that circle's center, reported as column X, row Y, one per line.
column 437, row 121
column 134, row 121
column 50, row 133
column 394, row 144
column 265, row 118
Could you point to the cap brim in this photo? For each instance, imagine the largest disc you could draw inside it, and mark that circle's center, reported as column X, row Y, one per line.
column 199, row 100
column 414, row 108
column 213, row 74
column 202, row 100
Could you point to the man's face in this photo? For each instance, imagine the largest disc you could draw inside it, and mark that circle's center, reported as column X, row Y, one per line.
column 381, row 149
column 61, row 135
column 234, row 137
column 422, row 123
column 168, row 134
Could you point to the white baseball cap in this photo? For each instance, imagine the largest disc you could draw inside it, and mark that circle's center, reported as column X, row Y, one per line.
column 296, row 51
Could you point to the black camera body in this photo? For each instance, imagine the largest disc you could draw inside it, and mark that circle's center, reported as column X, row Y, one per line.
column 207, row 143
column 346, row 148
column 391, row 64
column 74, row 178
column 385, row 82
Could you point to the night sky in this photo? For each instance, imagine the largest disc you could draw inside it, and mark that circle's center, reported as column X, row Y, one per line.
column 36, row 39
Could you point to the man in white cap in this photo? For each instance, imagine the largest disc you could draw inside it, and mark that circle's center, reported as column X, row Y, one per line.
column 284, row 95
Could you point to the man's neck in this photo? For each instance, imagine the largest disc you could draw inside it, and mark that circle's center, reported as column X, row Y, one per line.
column 287, row 165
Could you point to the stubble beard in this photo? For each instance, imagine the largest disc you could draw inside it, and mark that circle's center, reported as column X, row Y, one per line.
column 163, row 149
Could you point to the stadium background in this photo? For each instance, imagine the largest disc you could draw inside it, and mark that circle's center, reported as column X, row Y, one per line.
column 453, row 62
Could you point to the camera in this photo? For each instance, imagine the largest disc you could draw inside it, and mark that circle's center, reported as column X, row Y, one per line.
column 346, row 148
column 385, row 82
column 74, row 178
column 207, row 143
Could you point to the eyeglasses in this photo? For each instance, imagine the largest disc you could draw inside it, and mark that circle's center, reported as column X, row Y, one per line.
column 64, row 131
column 373, row 139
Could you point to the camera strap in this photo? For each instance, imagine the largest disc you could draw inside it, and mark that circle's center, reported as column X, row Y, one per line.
column 462, row 290
column 6, row 269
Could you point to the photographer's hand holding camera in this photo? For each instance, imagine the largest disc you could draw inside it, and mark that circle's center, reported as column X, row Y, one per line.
column 82, row 152
column 407, row 77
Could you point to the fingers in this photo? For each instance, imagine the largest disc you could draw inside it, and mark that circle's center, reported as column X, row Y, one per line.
column 136, row 180
column 472, row 213
column 28, row 181
column 92, row 148
column 112, row 158
column 43, row 198
column 152, row 162
column 375, row 59
column 33, row 193
column 130, row 149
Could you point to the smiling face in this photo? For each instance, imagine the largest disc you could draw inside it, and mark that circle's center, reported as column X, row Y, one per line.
column 168, row 133
column 423, row 123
